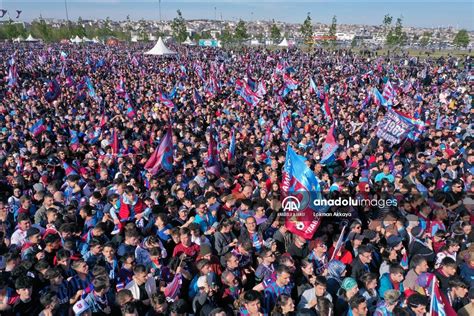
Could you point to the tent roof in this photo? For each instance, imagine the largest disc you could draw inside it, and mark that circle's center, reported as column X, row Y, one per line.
column 31, row 39
column 160, row 49
column 188, row 41
column 76, row 39
column 284, row 43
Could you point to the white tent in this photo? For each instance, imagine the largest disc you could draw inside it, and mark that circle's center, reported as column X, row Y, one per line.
column 18, row 39
column 76, row 40
column 188, row 42
column 95, row 40
column 160, row 49
column 30, row 39
column 283, row 43
column 134, row 38
column 86, row 40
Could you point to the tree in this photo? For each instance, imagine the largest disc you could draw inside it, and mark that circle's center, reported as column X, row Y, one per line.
column 387, row 21
column 241, row 31
column 332, row 31
column 226, row 36
column 354, row 42
column 275, row 33
column 307, row 30
column 178, row 27
column 401, row 37
column 461, row 39
column 425, row 39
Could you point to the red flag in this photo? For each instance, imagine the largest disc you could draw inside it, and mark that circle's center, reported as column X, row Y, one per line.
column 115, row 143
column 162, row 158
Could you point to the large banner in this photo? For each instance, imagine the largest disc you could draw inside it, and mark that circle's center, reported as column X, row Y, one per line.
column 392, row 128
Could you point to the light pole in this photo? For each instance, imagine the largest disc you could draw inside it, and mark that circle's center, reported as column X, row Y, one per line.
column 67, row 14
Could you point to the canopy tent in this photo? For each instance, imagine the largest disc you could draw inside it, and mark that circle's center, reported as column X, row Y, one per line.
column 76, row 40
column 31, row 39
column 160, row 49
column 18, row 39
column 284, row 43
column 86, row 40
column 95, row 40
column 188, row 42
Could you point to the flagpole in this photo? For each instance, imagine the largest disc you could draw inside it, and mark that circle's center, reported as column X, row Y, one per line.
column 432, row 295
column 339, row 240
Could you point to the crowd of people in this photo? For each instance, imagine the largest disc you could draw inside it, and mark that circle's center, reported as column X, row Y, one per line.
column 87, row 229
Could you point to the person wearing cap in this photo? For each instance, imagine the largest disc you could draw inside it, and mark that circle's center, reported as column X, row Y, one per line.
column 468, row 309
column 421, row 246
column 205, row 300
column 392, row 280
column 32, row 244
column 387, row 306
column 348, row 290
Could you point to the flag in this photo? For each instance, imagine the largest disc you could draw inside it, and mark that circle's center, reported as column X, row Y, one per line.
column 436, row 303
column 231, row 154
column 404, row 261
column 90, row 88
column 120, row 89
column 162, row 158
column 212, row 153
column 388, row 92
column 197, row 99
column 439, row 122
column 53, row 92
column 74, row 143
column 327, row 109
column 290, row 83
column 417, row 126
column 267, row 138
column 12, row 74
column 301, row 186
column 329, row 148
column 172, row 290
column 261, row 90
column 378, row 98
column 339, row 243
column 172, row 94
column 130, row 111
column 38, row 128
column 393, row 128
column 247, row 94
column 63, row 56
column 312, row 86
column 165, row 101
column 285, row 123
column 68, row 169
column 115, row 143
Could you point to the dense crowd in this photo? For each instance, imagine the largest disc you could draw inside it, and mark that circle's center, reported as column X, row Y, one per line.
column 86, row 229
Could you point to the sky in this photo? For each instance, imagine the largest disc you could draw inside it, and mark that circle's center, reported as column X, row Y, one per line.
column 421, row 13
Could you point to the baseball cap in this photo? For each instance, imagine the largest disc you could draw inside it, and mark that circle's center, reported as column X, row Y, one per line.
column 393, row 241
column 202, row 281
column 32, row 231
column 348, row 283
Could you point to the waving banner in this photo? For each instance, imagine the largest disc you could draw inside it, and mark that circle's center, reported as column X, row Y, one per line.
column 392, row 128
